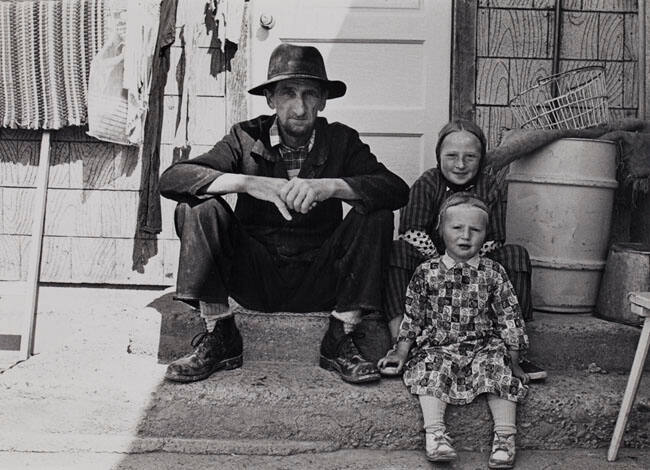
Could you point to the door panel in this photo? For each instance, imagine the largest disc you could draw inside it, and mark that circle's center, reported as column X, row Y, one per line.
column 394, row 55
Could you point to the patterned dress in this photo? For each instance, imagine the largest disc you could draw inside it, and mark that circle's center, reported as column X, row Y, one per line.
column 463, row 320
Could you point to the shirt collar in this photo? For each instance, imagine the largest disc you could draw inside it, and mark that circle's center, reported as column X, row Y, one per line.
column 450, row 263
column 275, row 138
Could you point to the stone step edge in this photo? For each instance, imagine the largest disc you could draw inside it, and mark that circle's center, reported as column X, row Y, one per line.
column 129, row 444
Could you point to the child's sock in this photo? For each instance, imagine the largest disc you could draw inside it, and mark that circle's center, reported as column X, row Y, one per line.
column 350, row 319
column 504, row 414
column 213, row 312
column 433, row 413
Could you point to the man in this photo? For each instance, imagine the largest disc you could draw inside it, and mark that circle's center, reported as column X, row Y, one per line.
column 286, row 246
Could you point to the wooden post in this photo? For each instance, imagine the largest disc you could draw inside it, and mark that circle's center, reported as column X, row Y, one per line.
column 640, row 217
column 463, row 61
column 640, row 304
column 35, row 251
column 642, row 59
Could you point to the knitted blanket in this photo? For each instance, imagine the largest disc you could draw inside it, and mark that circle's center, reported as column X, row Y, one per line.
column 632, row 136
column 45, row 52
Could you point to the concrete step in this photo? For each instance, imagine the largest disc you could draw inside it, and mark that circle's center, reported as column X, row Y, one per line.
column 78, row 398
column 559, row 342
column 152, row 323
column 349, row 459
column 97, row 379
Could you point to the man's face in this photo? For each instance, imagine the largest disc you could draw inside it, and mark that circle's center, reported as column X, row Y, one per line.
column 297, row 103
column 463, row 231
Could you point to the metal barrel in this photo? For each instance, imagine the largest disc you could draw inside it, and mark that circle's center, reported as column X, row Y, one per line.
column 560, row 201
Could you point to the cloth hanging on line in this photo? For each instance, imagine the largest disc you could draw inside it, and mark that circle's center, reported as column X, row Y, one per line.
column 192, row 22
column 120, row 74
column 141, row 36
column 149, row 210
column 46, row 48
column 199, row 18
column 230, row 14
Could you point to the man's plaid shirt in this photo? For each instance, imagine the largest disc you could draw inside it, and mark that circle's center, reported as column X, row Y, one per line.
column 291, row 157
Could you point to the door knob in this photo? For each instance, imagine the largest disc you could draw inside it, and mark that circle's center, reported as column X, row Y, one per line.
column 267, row 21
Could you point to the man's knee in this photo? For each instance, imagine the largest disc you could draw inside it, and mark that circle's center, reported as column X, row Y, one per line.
column 201, row 211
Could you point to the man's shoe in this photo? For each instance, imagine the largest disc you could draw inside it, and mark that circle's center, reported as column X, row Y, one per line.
column 372, row 337
column 217, row 350
column 339, row 354
column 438, row 447
column 533, row 371
column 503, row 451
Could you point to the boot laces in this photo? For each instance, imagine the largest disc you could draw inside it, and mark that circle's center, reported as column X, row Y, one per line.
column 201, row 341
column 501, row 442
column 346, row 347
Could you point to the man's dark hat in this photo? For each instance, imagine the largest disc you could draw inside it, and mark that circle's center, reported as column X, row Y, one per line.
column 291, row 61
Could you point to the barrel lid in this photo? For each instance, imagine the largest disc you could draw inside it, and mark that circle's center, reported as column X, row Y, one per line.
column 632, row 247
column 587, row 139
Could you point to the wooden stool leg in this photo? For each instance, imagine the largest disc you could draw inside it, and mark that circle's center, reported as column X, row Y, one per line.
column 630, row 390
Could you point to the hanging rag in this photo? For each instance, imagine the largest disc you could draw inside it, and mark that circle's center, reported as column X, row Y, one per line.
column 45, row 52
column 107, row 97
column 143, row 17
column 149, row 210
column 120, row 74
column 199, row 18
column 230, row 14
column 192, row 20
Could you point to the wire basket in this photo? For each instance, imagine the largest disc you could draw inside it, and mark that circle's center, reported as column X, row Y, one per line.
column 575, row 99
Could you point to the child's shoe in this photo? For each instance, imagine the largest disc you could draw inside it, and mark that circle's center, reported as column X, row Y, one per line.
column 438, row 447
column 503, row 451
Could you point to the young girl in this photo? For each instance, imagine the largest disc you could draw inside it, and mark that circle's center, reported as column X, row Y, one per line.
column 464, row 330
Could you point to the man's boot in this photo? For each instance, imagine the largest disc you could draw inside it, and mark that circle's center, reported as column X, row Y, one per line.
column 372, row 337
column 339, row 354
column 217, row 350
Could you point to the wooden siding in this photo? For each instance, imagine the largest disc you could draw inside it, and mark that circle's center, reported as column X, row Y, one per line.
column 514, row 47
column 93, row 193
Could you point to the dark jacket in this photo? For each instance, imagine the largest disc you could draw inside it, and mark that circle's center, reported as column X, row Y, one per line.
column 337, row 153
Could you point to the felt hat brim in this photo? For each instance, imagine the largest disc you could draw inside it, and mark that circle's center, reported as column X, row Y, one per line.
column 290, row 61
column 335, row 88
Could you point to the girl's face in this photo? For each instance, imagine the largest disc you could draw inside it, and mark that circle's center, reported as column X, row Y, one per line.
column 463, row 231
column 460, row 157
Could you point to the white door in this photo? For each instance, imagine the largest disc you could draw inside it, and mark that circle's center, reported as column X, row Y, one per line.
column 394, row 56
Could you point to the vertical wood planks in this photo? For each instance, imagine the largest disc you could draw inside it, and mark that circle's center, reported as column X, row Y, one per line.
column 514, row 40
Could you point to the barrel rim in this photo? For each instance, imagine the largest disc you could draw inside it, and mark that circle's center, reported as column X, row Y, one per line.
column 629, row 247
column 585, row 139
column 550, row 178
column 567, row 264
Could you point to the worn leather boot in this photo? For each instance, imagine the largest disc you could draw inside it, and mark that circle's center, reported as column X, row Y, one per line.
column 372, row 337
column 218, row 350
column 339, row 354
